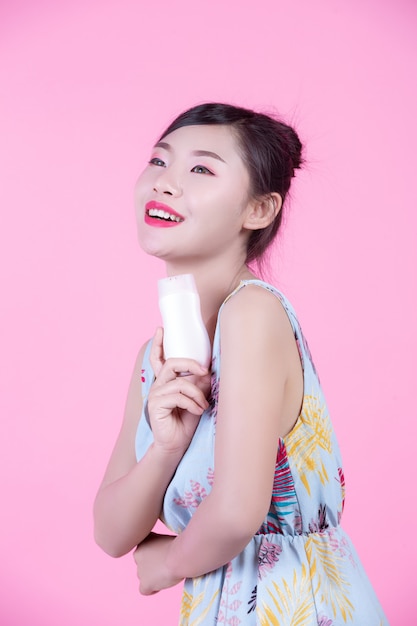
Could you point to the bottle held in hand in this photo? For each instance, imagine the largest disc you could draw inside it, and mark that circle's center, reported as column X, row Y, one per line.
column 185, row 335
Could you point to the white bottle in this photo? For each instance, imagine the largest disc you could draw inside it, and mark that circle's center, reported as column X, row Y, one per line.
column 185, row 334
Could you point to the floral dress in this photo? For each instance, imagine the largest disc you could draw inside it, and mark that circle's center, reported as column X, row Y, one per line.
column 300, row 568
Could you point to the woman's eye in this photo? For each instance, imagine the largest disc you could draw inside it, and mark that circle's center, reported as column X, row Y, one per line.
column 158, row 162
column 200, row 169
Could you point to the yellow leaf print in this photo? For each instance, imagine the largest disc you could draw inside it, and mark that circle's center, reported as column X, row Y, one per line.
column 309, row 438
column 190, row 604
column 291, row 603
column 326, row 568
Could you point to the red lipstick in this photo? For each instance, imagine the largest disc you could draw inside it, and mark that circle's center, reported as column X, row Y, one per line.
column 161, row 215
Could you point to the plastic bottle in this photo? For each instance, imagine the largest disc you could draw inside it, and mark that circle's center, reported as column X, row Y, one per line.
column 185, row 334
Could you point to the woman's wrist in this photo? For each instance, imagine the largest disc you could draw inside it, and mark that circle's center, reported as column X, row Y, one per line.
column 171, row 563
column 166, row 457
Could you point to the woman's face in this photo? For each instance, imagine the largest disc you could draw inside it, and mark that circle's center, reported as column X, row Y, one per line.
column 192, row 198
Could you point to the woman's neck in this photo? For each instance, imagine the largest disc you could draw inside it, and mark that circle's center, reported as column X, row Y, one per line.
column 214, row 284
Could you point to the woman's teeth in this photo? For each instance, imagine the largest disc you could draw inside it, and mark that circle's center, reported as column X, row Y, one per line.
column 164, row 215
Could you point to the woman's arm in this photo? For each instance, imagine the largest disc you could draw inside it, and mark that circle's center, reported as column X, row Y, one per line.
column 127, row 506
column 259, row 401
column 129, row 500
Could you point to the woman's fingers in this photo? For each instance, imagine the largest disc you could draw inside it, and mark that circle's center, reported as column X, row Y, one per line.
column 183, row 386
column 178, row 401
column 179, row 384
column 173, row 369
column 180, row 393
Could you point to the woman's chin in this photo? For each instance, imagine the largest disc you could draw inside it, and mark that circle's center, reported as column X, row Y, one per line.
column 150, row 245
column 155, row 250
column 152, row 251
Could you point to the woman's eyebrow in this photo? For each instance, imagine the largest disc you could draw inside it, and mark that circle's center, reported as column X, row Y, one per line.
column 162, row 144
column 208, row 153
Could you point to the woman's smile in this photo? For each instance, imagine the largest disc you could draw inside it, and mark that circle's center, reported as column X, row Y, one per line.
column 161, row 215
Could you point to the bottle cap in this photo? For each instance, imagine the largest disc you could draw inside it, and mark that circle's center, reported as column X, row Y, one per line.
column 183, row 283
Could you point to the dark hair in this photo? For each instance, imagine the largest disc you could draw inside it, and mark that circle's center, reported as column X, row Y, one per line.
column 270, row 149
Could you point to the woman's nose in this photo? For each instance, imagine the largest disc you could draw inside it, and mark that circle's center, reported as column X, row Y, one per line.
column 167, row 183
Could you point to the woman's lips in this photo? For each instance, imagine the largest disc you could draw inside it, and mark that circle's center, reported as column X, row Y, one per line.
column 161, row 215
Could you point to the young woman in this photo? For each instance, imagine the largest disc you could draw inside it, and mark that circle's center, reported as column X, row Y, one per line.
column 241, row 461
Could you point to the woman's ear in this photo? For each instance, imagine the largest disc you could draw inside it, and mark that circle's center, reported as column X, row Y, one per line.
column 262, row 212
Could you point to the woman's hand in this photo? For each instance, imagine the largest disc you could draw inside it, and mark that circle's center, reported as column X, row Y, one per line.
column 150, row 559
column 176, row 399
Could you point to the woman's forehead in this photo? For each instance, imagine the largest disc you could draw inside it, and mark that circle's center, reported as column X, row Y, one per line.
column 201, row 137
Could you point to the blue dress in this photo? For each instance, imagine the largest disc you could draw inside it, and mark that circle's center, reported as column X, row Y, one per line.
column 300, row 568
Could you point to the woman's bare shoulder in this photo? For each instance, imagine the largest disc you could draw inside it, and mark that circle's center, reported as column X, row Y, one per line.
column 257, row 310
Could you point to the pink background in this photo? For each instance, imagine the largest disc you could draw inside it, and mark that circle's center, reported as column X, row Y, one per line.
column 85, row 88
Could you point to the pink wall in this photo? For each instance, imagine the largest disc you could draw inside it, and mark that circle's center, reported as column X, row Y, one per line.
column 85, row 87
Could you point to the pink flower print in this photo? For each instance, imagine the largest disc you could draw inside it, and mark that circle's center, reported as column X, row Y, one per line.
column 342, row 487
column 229, row 570
column 232, row 621
column 340, row 546
column 298, row 522
column 267, row 557
column 198, row 489
column 325, row 621
column 210, row 476
column 142, row 375
column 236, row 603
column 192, row 498
column 333, row 541
column 229, row 602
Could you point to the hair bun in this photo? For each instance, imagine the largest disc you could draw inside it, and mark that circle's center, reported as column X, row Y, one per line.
column 293, row 145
